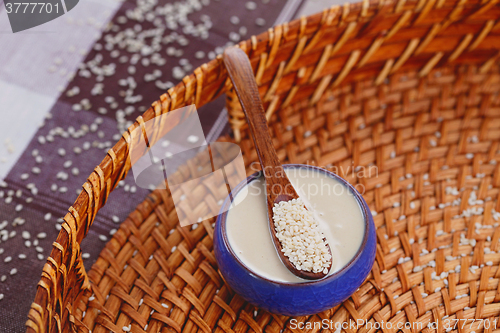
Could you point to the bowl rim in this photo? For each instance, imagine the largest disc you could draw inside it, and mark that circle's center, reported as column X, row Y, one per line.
column 222, row 218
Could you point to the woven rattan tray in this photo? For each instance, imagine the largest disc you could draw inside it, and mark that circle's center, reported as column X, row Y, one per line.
column 409, row 88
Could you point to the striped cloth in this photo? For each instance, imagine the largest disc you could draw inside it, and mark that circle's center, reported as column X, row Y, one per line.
column 69, row 88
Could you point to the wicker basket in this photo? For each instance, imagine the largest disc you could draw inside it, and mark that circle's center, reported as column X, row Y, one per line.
column 410, row 87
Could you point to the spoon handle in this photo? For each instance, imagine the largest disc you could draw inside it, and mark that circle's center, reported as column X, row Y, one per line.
column 241, row 73
column 278, row 186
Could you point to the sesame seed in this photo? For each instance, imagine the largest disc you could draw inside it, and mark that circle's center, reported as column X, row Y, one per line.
column 40, row 256
column 260, row 21
column 7, row 259
column 250, row 5
column 41, row 235
column 86, row 255
column 103, row 238
column 13, row 271
column 47, row 216
column 199, row 55
column 234, row 20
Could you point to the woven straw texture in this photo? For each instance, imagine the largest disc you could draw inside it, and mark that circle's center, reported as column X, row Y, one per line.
column 407, row 88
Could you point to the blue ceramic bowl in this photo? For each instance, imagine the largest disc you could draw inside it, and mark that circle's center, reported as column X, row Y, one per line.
column 295, row 299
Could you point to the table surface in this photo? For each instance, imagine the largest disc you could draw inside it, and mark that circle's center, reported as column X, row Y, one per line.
column 62, row 87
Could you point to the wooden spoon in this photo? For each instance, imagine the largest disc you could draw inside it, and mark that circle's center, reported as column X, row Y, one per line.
column 278, row 186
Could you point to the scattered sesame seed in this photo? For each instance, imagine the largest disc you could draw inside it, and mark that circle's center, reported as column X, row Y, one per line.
column 250, row 5
column 260, row 21
column 234, row 20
